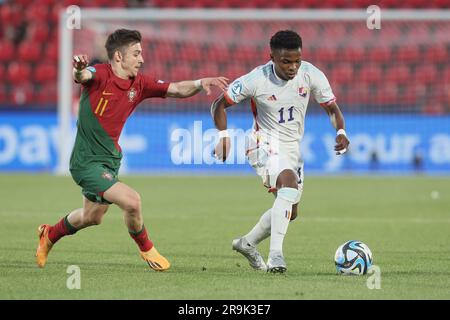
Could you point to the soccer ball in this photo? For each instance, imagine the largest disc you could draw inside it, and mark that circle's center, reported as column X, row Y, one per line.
column 353, row 257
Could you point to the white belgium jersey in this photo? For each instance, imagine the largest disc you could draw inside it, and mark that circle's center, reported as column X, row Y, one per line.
column 279, row 106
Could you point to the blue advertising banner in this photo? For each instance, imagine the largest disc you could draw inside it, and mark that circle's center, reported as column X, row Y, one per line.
column 183, row 143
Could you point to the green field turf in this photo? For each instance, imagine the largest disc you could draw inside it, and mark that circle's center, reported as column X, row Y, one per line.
column 193, row 220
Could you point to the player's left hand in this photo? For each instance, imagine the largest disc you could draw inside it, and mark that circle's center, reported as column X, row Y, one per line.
column 341, row 144
column 220, row 82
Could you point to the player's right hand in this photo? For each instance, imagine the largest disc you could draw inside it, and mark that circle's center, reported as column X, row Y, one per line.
column 80, row 61
column 222, row 149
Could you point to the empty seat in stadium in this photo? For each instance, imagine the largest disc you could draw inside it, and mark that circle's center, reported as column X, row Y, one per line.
column 6, row 51
column 47, row 94
column 191, row 52
column 425, row 73
column 18, row 72
column 387, row 93
column 437, row 53
column 38, row 32
column 2, row 72
column 398, row 72
column 11, row 15
column 3, row 94
column 379, row 54
column 37, row 12
column 370, row 73
column 22, row 94
column 23, row 3
column 29, row 51
column 327, row 54
column 408, row 54
column 342, row 73
column 45, row 72
column 353, row 54
column 50, row 51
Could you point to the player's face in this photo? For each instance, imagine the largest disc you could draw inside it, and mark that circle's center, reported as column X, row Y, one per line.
column 287, row 62
column 132, row 60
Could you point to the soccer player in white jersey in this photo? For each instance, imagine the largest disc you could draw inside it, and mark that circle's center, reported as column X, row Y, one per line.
column 279, row 92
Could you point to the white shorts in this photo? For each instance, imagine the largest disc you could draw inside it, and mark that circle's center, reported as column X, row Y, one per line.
column 270, row 157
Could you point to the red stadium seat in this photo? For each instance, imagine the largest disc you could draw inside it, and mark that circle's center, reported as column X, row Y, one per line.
column 3, row 94
column 426, row 73
column 11, row 15
column 2, row 72
column 23, row 3
column 38, row 32
column 387, row 93
column 360, row 93
column 18, row 72
column 379, row 54
column 22, row 94
column 437, row 54
column 342, row 73
column 327, row 54
column 45, row 72
column 353, row 54
column 47, row 94
column 37, row 12
column 50, row 51
column 398, row 72
column 29, row 51
column 190, row 52
column 6, row 51
column 370, row 73
column 408, row 54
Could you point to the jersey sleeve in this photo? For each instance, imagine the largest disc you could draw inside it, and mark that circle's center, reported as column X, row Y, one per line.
column 241, row 89
column 153, row 88
column 99, row 75
column 321, row 88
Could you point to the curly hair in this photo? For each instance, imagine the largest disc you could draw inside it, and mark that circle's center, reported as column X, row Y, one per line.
column 286, row 39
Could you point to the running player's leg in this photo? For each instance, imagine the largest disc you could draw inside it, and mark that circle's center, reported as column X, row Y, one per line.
column 287, row 196
column 91, row 214
column 130, row 203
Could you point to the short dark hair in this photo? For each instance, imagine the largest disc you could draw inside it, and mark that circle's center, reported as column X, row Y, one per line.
column 285, row 39
column 121, row 38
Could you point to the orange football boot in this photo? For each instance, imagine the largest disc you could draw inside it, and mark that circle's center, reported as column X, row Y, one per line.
column 45, row 245
column 155, row 260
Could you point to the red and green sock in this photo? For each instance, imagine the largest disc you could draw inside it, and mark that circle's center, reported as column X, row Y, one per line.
column 141, row 239
column 61, row 229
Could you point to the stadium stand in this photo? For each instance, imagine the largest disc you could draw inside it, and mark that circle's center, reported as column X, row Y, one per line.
column 395, row 75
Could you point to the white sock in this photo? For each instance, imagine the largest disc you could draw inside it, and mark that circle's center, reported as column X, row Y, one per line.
column 281, row 213
column 261, row 230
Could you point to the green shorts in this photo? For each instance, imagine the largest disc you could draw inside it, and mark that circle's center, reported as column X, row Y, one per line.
column 95, row 180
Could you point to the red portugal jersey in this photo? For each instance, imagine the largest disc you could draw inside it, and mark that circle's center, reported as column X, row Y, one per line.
column 106, row 103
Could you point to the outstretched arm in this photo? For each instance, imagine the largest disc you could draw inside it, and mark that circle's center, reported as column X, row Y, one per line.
column 219, row 116
column 337, row 120
column 80, row 73
column 185, row 89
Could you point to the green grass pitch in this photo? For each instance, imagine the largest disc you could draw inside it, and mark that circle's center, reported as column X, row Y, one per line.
column 192, row 221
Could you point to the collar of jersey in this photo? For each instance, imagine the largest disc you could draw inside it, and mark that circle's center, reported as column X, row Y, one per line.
column 276, row 79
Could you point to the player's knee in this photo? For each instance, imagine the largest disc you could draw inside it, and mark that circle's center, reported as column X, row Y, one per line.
column 94, row 217
column 133, row 204
column 289, row 194
column 95, row 220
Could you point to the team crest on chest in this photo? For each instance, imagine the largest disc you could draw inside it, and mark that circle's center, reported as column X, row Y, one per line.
column 302, row 92
column 131, row 94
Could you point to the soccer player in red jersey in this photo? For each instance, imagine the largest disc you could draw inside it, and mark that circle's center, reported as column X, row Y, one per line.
column 111, row 92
